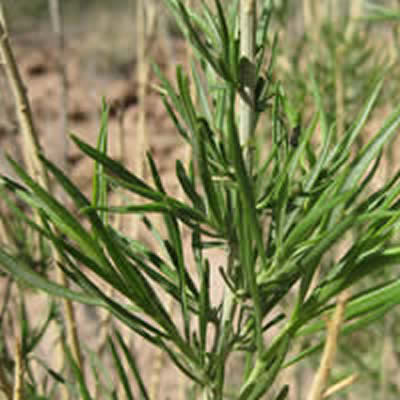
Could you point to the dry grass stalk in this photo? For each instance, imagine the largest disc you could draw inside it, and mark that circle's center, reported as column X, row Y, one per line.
column 31, row 152
column 58, row 28
column 355, row 12
column 387, row 350
column 310, row 11
column 394, row 48
column 5, row 386
column 30, row 136
column 329, row 353
column 146, row 22
column 69, row 311
column 18, row 371
column 343, row 384
column 307, row 13
column 356, row 7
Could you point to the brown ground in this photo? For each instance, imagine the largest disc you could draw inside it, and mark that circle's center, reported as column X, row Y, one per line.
column 92, row 73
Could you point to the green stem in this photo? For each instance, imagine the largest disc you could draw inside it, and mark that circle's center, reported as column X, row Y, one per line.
column 228, row 313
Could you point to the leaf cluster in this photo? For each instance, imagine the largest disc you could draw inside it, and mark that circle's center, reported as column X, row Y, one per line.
column 276, row 218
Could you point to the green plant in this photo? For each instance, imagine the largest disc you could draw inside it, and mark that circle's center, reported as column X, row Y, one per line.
column 345, row 59
column 276, row 217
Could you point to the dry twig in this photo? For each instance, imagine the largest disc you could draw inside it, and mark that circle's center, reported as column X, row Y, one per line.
column 32, row 150
column 19, row 371
column 329, row 353
column 146, row 22
column 343, row 384
column 30, row 136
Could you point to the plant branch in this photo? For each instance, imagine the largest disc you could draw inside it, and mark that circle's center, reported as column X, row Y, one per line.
column 344, row 383
column 24, row 113
column 19, row 371
column 329, row 353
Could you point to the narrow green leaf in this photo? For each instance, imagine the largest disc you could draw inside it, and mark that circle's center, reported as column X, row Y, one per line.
column 208, row 23
column 143, row 328
column 208, row 184
column 120, row 370
column 37, row 334
column 321, row 162
column 372, row 149
column 188, row 187
column 175, row 250
column 204, row 304
column 100, row 372
column 223, row 29
column 180, row 363
column 202, row 93
column 283, row 393
column 195, row 39
column 133, row 366
column 58, row 214
column 173, row 96
column 326, row 204
column 349, row 328
column 99, row 180
column 294, row 160
column 343, row 147
column 262, row 35
column 353, row 271
column 156, row 207
column 78, row 373
column 321, row 112
column 36, row 280
column 175, row 120
column 246, row 188
column 155, row 174
column 168, row 278
column 117, row 170
column 361, row 304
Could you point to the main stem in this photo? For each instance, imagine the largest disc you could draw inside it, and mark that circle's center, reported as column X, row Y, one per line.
column 248, row 13
column 246, row 130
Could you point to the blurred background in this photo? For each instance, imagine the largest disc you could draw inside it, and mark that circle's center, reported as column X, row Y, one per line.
column 107, row 48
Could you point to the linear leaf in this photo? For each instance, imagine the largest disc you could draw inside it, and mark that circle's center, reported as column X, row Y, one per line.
column 120, row 370
column 99, row 180
column 117, row 170
column 133, row 365
column 372, row 149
